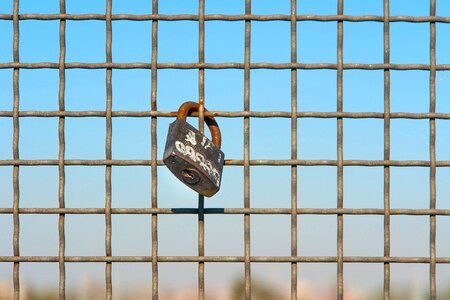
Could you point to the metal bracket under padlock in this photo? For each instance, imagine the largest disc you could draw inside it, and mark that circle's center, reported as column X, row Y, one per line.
column 191, row 156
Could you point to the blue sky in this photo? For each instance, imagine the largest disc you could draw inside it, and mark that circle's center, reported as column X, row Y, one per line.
column 269, row 138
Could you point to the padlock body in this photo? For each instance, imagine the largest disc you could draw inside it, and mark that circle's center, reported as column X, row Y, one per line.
column 193, row 158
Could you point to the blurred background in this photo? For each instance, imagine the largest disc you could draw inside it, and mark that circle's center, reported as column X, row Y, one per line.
column 270, row 138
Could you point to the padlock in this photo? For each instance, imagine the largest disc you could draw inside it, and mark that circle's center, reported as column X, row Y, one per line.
column 191, row 156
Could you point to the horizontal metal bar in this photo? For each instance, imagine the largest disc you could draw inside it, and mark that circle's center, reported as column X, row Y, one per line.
column 234, row 211
column 227, row 65
column 231, row 114
column 230, row 162
column 223, row 259
column 222, row 17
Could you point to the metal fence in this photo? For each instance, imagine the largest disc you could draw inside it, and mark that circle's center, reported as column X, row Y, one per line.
column 247, row 259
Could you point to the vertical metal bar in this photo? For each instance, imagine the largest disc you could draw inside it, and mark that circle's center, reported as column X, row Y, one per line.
column 340, row 156
column 294, row 218
column 432, row 151
column 108, row 149
column 61, row 136
column 154, row 165
column 16, row 278
column 247, row 266
column 387, row 151
column 201, row 94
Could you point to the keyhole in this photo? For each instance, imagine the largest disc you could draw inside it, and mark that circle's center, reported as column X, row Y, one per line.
column 190, row 176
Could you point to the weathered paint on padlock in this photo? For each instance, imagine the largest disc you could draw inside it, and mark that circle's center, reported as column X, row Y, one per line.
column 193, row 158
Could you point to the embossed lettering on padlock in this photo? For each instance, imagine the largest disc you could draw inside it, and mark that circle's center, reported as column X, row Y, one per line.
column 191, row 156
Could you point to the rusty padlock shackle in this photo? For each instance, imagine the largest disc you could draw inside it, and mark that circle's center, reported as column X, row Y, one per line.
column 188, row 107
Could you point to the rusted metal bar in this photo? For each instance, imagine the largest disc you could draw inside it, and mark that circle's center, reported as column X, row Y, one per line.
column 234, row 211
column 225, row 65
column 16, row 190
column 201, row 96
column 61, row 153
column 432, row 152
column 387, row 154
column 231, row 114
column 294, row 169
column 246, row 163
column 154, row 143
column 340, row 154
column 229, row 162
column 108, row 152
column 222, row 17
column 225, row 259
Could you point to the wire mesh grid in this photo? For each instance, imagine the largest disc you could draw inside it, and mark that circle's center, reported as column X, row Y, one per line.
column 247, row 211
